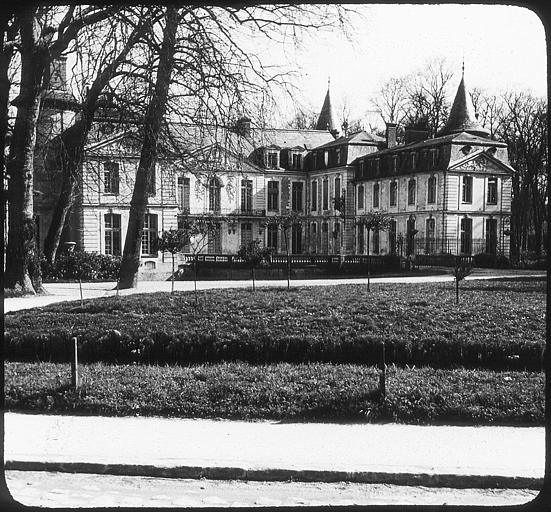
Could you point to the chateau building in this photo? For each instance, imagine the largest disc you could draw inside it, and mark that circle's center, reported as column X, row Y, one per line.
column 448, row 194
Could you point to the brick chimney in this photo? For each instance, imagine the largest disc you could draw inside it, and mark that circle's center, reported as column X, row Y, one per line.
column 58, row 74
column 391, row 134
column 243, row 126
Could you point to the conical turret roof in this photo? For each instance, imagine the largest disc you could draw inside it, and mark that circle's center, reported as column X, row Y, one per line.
column 325, row 119
column 462, row 117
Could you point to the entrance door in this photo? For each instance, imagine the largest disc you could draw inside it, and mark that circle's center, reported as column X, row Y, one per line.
column 491, row 236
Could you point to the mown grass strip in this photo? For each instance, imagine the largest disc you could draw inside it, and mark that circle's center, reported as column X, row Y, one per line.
column 497, row 325
column 288, row 392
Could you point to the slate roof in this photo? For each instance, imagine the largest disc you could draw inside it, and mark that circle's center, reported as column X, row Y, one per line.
column 462, row 117
column 362, row 137
column 325, row 119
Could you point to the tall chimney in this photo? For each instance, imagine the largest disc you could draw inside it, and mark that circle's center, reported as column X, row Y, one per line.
column 391, row 134
column 243, row 126
column 58, row 74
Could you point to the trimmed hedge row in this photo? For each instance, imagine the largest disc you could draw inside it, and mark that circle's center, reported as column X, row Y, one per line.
column 498, row 325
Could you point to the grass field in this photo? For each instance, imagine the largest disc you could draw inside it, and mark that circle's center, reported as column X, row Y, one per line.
column 292, row 392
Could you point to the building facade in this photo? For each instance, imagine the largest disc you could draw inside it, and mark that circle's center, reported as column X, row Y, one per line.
column 449, row 194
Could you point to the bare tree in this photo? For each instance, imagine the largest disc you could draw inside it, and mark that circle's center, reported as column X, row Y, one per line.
column 524, row 128
column 148, row 157
column 42, row 39
column 67, row 150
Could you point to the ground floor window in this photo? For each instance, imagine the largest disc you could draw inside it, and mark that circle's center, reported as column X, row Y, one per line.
column 466, row 236
column 361, row 240
column 376, row 242
column 215, row 240
column 392, row 237
column 149, row 235
column 491, row 236
column 430, row 239
column 112, row 222
column 246, row 233
column 296, row 240
column 272, row 237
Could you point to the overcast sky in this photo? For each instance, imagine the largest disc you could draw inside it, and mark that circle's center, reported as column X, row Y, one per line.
column 503, row 48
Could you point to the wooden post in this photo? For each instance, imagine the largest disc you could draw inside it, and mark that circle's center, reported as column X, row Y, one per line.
column 382, row 376
column 74, row 364
column 80, row 287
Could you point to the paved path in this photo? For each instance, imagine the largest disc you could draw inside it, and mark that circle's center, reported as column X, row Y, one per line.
column 266, row 450
column 43, row 489
column 60, row 292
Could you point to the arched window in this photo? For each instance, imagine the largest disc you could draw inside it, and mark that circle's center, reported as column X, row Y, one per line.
column 214, row 195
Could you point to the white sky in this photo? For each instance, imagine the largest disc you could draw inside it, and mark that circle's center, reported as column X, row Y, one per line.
column 503, row 47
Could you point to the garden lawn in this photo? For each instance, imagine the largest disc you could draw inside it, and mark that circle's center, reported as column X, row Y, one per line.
column 293, row 392
column 497, row 325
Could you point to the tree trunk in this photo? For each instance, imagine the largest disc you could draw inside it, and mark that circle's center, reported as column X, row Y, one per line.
column 253, row 276
column 22, row 260
column 172, row 289
column 152, row 125
column 368, row 263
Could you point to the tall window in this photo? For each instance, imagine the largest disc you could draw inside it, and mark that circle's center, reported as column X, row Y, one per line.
column 183, row 193
column 337, row 188
column 361, row 196
column 181, row 224
column 272, row 159
column 376, row 188
column 491, row 236
column 492, row 191
column 411, row 191
column 392, row 237
column 112, row 223
column 314, row 196
column 296, row 196
column 110, row 177
column 410, row 235
column 466, row 235
column 393, row 193
column 246, row 233
column 430, row 239
column 296, row 239
column 214, row 195
column 151, row 182
column 215, row 240
column 325, row 194
column 467, row 192
column 149, row 235
column 246, row 195
column 273, row 195
column 376, row 240
column 431, row 190
column 325, row 237
column 361, row 239
column 272, row 236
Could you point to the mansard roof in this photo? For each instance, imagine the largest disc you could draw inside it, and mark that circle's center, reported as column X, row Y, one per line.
column 462, row 116
column 452, row 138
column 362, row 137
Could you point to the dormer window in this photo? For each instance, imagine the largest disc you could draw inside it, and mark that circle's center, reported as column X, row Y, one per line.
column 296, row 161
column 376, row 166
column 362, row 169
column 393, row 162
column 433, row 157
column 338, row 156
column 271, row 159
column 413, row 160
column 110, row 178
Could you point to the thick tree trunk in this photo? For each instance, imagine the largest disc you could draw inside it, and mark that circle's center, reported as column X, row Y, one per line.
column 22, row 260
column 152, row 124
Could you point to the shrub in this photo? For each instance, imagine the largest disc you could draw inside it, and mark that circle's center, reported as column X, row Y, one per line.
column 486, row 260
column 87, row 266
